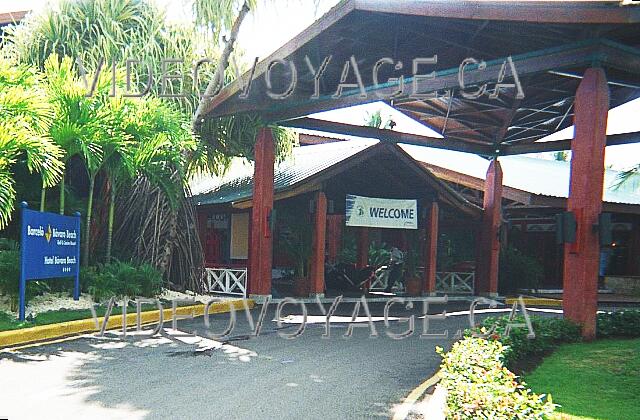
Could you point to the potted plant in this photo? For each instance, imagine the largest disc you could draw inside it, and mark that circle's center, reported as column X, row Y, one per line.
column 295, row 239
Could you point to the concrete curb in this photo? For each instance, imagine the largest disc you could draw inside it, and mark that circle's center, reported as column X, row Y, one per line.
column 53, row 331
column 403, row 411
column 535, row 301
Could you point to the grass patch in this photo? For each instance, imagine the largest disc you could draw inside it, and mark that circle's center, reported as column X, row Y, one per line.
column 9, row 322
column 598, row 380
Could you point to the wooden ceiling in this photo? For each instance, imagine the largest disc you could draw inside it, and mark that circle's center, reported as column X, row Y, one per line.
column 549, row 43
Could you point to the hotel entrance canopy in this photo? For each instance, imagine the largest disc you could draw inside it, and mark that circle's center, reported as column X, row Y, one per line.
column 491, row 77
column 550, row 43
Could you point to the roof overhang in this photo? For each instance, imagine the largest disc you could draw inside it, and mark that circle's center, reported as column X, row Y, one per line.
column 316, row 181
column 548, row 43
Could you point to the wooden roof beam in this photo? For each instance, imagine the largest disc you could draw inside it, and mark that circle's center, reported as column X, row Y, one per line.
column 528, row 63
column 387, row 136
column 559, row 145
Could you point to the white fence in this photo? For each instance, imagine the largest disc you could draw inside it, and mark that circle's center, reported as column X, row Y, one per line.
column 448, row 282
column 455, row 283
column 229, row 281
column 381, row 279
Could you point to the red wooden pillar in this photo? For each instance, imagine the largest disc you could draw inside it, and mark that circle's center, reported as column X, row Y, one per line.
column 260, row 244
column 362, row 251
column 581, row 259
column 334, row 236
column 489, row 245
column 431, row 249
column 316, row 271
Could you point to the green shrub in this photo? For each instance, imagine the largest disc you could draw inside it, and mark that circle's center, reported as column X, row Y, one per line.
column 150, row 280
column 8, row 245
column 480, row 387
column 10, row 279
column 549, row 333
column 10, row 276
column 625, row 323
column 519, row 271
column 122, row 279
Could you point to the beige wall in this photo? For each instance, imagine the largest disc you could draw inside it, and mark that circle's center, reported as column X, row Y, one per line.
column 239, row 236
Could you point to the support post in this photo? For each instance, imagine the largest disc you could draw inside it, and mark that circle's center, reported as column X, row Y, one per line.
column 489, row 245
column 260, row 245
column 431, row 250
column 581, row 258
column 316, row 272
column 334, row 236
column 362, row 251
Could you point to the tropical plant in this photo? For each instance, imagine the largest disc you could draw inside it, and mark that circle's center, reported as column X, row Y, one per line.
column 375, row 120
column 25, row 116
column 629, row 178
column 295, row 236
column 379, row 254
column 10, row 279
column 153, row 139
column 519, row 271
column 561, row 156
column 102, row 32
column 119, row 278
column 77, row 118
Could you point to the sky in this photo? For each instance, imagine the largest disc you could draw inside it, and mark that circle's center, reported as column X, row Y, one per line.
column 270, row 27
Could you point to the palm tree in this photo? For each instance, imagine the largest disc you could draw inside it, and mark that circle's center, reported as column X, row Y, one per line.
column 151, row 144
column 115, row 30
column 375, row 120
column 24, row 121
column 75, row 125
column 630, row 178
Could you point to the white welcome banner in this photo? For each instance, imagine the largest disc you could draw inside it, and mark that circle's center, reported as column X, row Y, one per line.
column 381, row 212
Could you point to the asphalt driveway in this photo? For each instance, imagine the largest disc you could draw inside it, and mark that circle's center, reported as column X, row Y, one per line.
column 184, row 376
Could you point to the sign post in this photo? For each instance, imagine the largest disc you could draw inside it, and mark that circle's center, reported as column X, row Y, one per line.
column 49, row 248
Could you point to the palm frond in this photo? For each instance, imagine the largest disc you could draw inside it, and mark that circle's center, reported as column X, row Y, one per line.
column 629, row 179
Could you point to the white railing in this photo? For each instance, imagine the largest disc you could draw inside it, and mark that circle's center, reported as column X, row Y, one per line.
column 449, row 282
column 381, row 279
column 455, row 283
column 230, row 281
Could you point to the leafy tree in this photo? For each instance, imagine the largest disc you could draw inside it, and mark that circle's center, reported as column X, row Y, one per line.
column 107, row 31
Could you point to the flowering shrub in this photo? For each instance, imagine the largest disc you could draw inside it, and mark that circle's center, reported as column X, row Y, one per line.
column 479, row 386
column 550, row 332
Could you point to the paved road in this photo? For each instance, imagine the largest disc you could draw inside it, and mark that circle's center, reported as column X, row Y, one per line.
column 262, row 377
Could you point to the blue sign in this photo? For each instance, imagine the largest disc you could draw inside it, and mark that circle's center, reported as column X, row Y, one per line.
column 49, row 248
